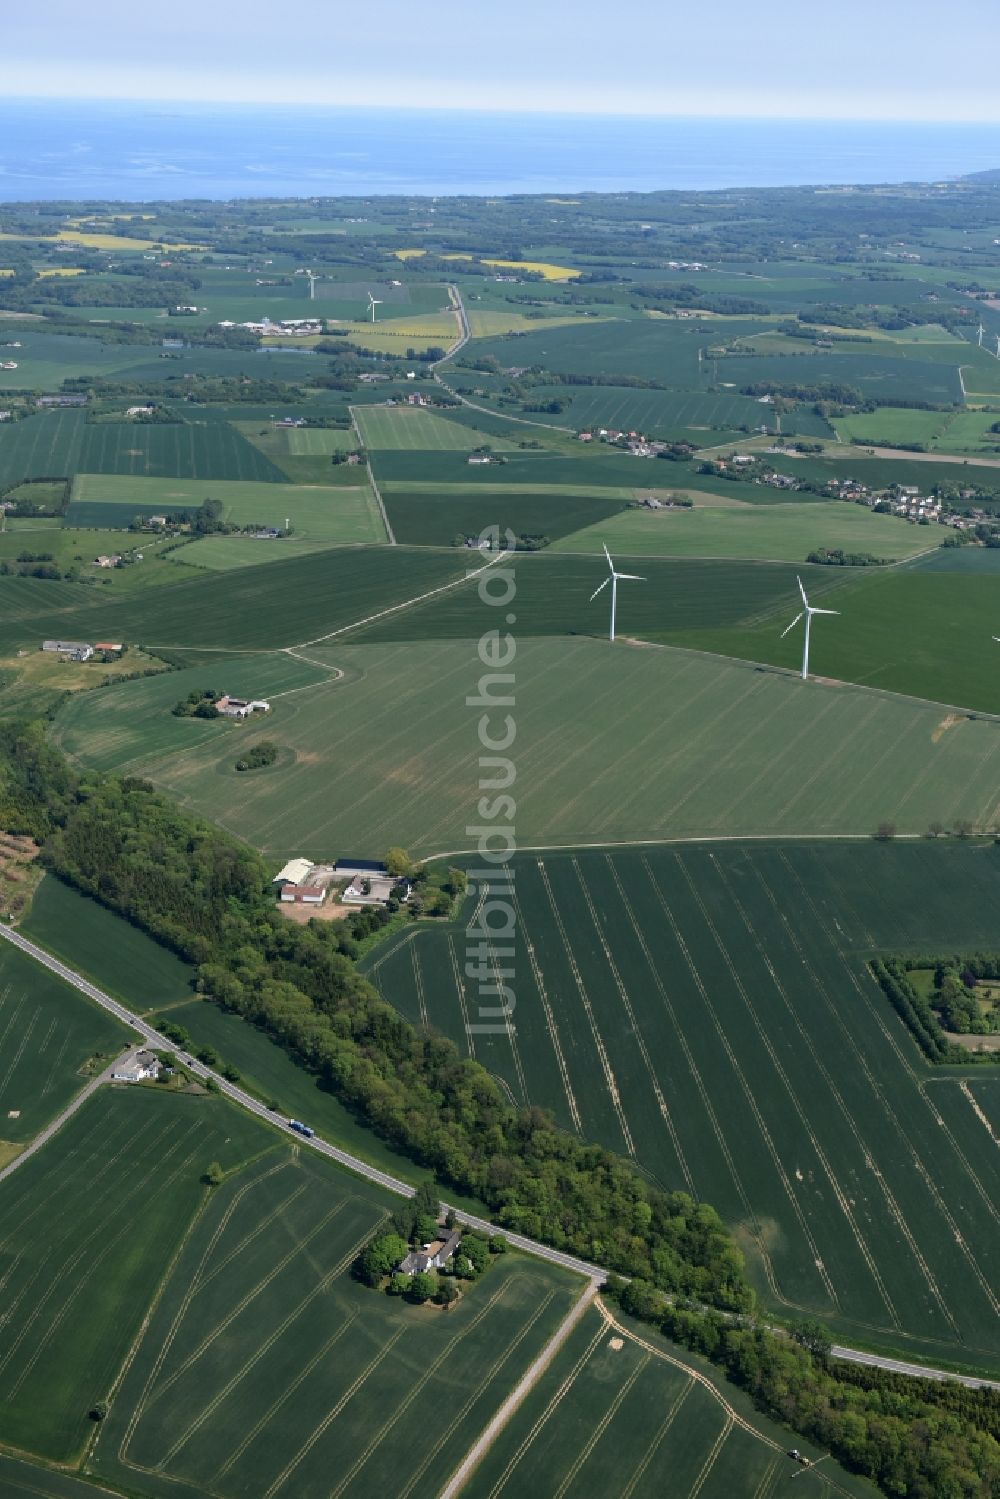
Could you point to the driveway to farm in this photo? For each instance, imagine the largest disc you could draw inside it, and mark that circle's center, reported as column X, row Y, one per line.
column 597, row 1274
column 67, row 1113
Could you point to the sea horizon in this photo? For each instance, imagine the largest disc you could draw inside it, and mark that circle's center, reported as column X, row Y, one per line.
column 128, row 151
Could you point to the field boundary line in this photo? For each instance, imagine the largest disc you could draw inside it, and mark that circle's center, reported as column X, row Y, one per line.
column 609, row 1076
column 332, row 1415
column 517, row 1396
column 460, row 993
column 977, row 1109
column 494, row 1370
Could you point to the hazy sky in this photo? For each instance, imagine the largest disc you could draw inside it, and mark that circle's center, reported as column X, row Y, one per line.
column 904, row 59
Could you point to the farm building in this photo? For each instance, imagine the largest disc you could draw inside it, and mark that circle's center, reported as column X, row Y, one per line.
column 293, row 873
column 348, row 868
column 432, row 1257
column 75, row 650
column 302, row 895
column 136, row 1067
column 241, row 707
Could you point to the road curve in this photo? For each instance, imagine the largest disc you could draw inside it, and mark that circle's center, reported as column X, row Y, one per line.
column 596, row 1273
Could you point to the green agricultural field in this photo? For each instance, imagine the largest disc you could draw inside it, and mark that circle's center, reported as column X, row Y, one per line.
column 786, row 533
column 664, row 349
column 708, row 1012
column 266, row 1367
column 414, row 429
column 46, row 446
column 334, row 513
column 683, row 745
column 52, row 1041
column 925, row 631
column 583, row 469
column 622, row 1411
column 89, row 1226
column 436, row 517
column 112, row 953
column 268, row 608
column 173, row 451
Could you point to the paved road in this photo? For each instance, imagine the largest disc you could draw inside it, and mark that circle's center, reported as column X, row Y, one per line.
column 595, row 1273
column 67, row 1113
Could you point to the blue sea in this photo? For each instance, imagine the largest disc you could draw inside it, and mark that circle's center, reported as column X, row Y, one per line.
column 133, row 151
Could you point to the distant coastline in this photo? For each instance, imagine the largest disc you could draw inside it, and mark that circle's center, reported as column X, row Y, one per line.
column 71, row 150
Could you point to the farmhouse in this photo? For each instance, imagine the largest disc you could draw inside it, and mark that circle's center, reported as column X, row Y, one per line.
column 74, row 650
column 107, row 561
column 136, row 1067
column 371, row 890
column 433, row 1256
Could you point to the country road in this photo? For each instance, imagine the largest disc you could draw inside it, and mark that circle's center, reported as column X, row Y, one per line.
column 595, row 1273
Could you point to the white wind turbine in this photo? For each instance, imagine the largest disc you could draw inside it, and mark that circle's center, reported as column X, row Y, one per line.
column 807, row 611
column 980, row 330
column 311, row 278
column 374, row 302
column 613, row 578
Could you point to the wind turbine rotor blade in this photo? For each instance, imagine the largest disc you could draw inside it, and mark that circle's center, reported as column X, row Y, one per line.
column 598, row 589
column 607, row 554
column 803, row 592
column 824, row 611
column 791, row 626
column 632, row 577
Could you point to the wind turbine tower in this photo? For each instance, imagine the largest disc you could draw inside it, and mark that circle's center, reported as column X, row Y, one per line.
column 376, row 302
column 807, row 611
column 310, row 275
column 613, row 578
column 981, row 331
